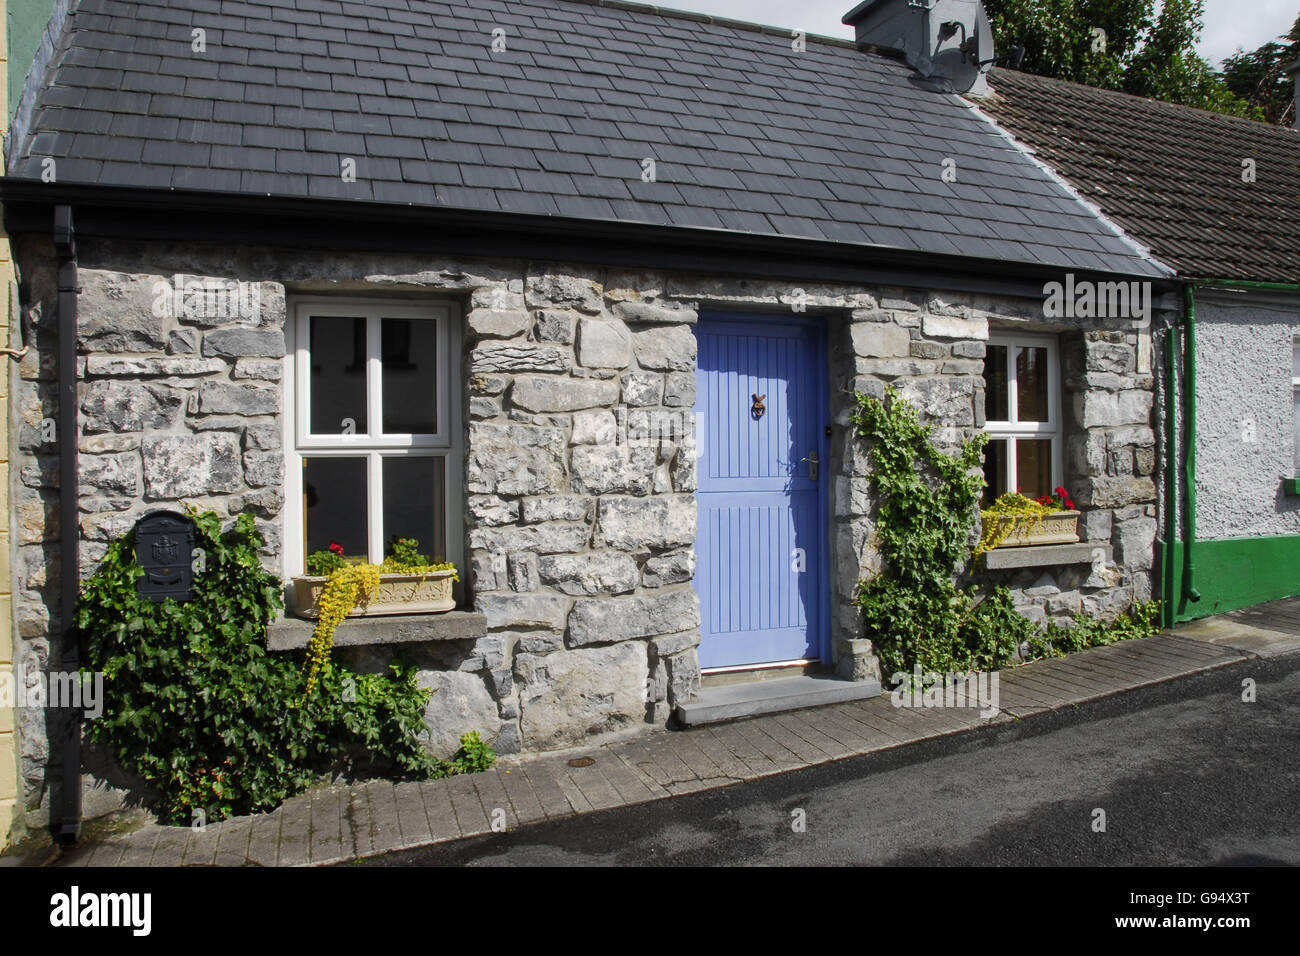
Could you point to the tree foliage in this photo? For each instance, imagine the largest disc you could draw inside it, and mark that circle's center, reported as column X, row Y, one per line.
column 1259, row 77
column 1125, row 45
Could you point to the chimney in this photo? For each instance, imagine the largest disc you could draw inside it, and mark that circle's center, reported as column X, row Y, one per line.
column 1293, row 71
column 945, row 40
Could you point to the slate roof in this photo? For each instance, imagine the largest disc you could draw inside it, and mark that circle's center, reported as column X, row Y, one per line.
column 1170, row 175
column 748, row 135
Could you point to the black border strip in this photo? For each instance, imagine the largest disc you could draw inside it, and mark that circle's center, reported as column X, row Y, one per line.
column 116, row 212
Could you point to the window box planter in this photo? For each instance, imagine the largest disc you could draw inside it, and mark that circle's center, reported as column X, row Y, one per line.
column 397, row 594
column 1058, row 527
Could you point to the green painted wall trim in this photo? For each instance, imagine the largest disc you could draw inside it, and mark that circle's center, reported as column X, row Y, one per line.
column 1232, row 573
column 1291, row 487
column 1189, row 592
column 1171, row 470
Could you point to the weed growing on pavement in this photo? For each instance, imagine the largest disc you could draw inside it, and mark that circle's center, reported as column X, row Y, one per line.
column 1141, row 620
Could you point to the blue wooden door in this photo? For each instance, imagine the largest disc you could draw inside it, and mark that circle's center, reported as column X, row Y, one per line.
column 762, row 529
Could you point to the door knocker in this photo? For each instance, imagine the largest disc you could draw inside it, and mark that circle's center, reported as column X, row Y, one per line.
column 759, row 409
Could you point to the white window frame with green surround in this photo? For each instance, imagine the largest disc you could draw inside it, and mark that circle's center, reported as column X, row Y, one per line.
column 374, row 445
column 1013, row 430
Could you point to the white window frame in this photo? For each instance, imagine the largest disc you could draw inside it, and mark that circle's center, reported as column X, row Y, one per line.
column 447, row 443
column 1012, row 430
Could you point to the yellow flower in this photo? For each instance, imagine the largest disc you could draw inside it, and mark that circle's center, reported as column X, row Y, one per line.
column 345, row 588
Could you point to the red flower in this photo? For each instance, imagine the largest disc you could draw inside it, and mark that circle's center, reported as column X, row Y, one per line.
column 336, row 547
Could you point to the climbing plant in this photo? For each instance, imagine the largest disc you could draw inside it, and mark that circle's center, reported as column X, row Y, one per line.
column 198, row 707
column 913, row 609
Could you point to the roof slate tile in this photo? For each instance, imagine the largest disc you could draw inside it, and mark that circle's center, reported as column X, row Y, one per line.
column 361, row 123
column 418, row 171
column 831, row 144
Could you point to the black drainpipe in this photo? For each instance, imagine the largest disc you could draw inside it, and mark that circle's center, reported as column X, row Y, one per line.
column 69, row 816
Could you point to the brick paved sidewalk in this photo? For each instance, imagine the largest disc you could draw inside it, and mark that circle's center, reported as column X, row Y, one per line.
column 331, row 824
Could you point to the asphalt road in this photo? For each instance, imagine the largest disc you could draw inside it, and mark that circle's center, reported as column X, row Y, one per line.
column 1186, row 773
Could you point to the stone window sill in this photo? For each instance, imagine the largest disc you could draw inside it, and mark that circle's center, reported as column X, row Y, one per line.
column 291, row 633
column 1045, row 555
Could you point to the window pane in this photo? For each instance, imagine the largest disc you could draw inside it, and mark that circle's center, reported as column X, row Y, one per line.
column 995, row 471
column 1031, row 384
column 1034, row 467
column 414, row 492
column 995, row 384
column 410, row 382
column 334, row 504
column 1295, row 358
column 338, row 375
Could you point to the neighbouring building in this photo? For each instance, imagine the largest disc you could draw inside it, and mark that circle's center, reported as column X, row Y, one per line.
column 1217, row 198
column 25, row 40
column 578, row 294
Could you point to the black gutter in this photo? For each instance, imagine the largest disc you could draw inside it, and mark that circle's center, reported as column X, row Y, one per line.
column 170, row 215
column 69, row 801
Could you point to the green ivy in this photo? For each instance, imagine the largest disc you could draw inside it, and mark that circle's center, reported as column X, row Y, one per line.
column 1141, row 620
column 201, row 710
column 927, row 498
column 914, row 610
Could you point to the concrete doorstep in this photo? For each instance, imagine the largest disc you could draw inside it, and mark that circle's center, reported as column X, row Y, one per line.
column 733, row 701
column 337, row 823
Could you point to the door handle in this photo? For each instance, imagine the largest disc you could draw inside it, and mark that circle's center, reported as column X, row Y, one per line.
column 813, row 462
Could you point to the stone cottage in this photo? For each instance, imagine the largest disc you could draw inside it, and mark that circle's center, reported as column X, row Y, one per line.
column 1226, row 215
column 579, row 294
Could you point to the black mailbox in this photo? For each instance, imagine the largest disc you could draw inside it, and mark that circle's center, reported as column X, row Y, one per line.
column 164, row 547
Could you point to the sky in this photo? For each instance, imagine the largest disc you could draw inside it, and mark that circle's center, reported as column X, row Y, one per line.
column 1229, row 24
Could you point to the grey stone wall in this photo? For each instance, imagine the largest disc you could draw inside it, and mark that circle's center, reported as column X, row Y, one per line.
column 172, row 409
column 1244, row 410
column 1111, row 462
column 580, row 465
column 580, row 475
column 1107, row 425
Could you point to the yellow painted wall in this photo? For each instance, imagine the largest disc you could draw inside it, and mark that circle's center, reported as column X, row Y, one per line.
column 8, row 748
